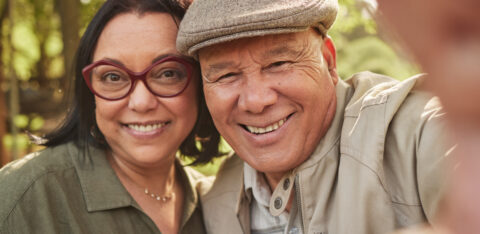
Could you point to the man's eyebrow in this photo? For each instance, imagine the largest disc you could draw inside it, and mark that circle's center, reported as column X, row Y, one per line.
column 281, row 51
column 217, row 67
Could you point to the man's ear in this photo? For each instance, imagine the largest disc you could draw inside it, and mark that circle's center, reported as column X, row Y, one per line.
column 330, row 55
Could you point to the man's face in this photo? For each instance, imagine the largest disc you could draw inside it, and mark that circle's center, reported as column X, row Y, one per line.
column 272, row 97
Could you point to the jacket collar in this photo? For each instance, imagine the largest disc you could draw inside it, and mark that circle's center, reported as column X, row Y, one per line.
column 191, row 200
column 343, row 93
column 243, row 204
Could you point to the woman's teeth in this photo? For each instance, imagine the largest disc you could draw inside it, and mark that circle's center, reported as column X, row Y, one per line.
column 266, row 129
column 145, row 128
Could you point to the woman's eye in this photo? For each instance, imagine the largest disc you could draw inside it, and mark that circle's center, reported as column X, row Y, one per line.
column 111, row 77
column 167, row 76
column 170, row 74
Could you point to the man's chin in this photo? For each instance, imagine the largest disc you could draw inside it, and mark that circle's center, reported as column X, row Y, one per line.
column 270, row 165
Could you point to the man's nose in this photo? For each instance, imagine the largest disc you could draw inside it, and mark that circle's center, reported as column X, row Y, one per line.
column 141, row 99
column 256, row 94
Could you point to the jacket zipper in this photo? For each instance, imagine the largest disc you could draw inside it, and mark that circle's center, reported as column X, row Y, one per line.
column 299, row 202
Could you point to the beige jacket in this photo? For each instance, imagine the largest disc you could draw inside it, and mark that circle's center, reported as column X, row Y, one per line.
column 378, row 168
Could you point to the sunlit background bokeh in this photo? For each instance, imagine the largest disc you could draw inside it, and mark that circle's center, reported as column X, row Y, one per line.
column 39, row 39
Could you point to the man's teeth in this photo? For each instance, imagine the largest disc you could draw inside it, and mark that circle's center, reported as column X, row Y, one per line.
column 145, row 128
column 266, row 129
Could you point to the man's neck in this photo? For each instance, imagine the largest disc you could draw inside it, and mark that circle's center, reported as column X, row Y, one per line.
column 273, row 179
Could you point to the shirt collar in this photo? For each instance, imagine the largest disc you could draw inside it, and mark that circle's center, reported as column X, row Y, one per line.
column 255, row 181
column 102, row 190
column 101, row 187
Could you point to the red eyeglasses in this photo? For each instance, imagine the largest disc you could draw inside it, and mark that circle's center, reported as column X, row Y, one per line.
column 167, row 77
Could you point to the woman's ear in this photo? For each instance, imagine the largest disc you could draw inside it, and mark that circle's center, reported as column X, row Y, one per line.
column 330, row 56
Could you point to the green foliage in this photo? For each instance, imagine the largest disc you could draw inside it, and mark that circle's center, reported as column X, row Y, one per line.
column 26, row 49
column 380, row 59
column 36, row 123
column 53, row 44
column 352, row 16
column 26, row 123
column 360, row 47
column 21, row 121
column 210, row 168
column 22, row 141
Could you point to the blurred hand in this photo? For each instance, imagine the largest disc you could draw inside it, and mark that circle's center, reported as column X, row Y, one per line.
column 444, row 38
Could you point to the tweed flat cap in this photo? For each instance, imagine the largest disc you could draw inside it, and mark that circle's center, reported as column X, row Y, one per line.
column 209, row 22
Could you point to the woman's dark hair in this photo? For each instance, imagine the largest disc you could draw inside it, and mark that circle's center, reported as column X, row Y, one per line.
column 80, row 126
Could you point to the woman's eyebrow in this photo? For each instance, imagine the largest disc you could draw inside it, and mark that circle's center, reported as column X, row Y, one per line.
column 160, row 57
column 112, row 60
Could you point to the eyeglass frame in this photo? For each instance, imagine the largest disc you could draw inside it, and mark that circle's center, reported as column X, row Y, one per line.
column 134, row 76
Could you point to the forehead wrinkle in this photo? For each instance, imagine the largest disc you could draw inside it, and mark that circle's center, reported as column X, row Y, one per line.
column 282, row 51
column 308, row 49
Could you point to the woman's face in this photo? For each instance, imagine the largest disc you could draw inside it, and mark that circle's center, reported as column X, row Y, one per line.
column 143, row 129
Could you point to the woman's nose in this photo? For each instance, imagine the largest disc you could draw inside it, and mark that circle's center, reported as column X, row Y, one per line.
column 141, row 99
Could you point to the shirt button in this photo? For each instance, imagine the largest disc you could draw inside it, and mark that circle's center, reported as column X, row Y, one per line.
column 286, row 183
column 278, row 203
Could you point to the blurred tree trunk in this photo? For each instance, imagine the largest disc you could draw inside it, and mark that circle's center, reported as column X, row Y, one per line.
column 14, row 102
column 69, row 11
column 3, row 117
column 4, row 159
column 42, row 30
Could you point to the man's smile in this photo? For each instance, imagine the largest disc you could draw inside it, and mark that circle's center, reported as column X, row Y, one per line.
column 266, row 129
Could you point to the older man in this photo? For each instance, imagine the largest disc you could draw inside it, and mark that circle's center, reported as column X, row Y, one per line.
column 318, row 154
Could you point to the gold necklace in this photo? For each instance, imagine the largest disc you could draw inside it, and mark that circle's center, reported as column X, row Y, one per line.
column 164, row 198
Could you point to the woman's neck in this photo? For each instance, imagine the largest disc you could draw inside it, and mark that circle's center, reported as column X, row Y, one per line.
column 163, row 202
column 158, row 179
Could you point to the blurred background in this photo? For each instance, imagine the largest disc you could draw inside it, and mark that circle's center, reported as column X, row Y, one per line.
column 39, row 39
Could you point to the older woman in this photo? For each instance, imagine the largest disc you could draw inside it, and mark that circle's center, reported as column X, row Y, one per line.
column 112, row 167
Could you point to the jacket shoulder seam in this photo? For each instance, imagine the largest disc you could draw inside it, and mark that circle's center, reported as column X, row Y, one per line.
column 369, row 168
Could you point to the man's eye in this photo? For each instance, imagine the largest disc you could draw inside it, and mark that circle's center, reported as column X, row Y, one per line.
column 228, row 75
column 277, row 65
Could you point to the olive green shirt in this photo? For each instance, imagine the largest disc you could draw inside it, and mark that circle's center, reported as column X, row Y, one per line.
column 59, row 190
